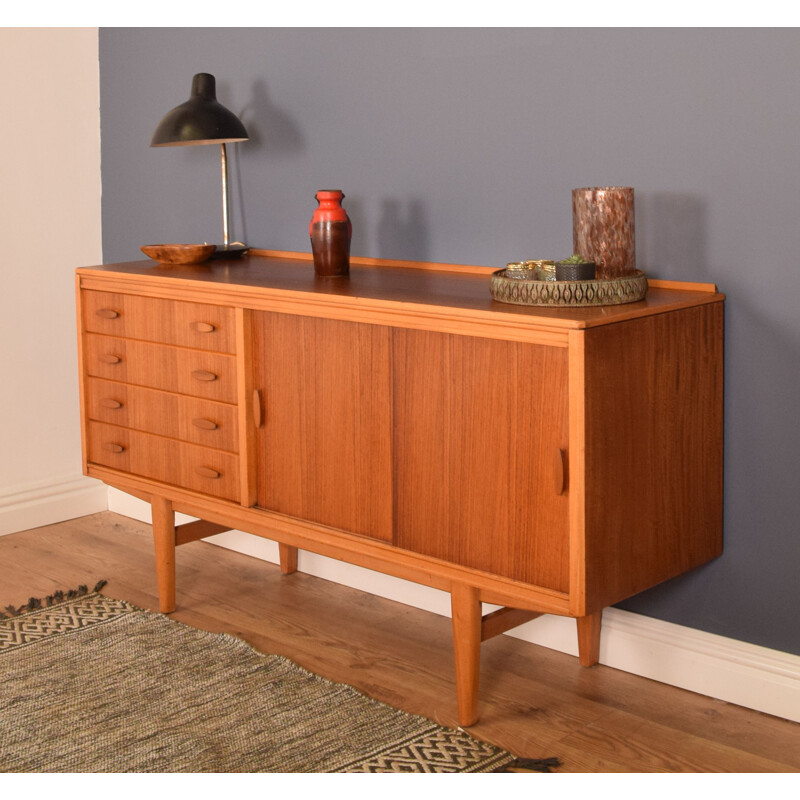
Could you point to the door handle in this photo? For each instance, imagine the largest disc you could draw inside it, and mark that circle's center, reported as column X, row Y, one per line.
column 258, row 411
column 560, row 471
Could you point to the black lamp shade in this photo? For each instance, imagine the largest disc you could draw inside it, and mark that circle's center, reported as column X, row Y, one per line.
column 200, row 120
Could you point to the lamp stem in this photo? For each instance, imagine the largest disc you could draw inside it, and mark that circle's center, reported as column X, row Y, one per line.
column 225, row 236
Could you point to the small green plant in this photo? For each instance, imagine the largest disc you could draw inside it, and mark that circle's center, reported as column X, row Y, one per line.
column 576, row 259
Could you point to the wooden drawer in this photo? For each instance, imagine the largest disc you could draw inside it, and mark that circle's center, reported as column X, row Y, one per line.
column 173, row 369
column 203, row 422
column 205, row 327
column 188, row 466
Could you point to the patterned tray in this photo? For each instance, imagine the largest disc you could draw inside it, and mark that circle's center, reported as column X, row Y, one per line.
column 598, row 292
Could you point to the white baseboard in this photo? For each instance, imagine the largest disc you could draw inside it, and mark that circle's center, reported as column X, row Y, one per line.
column 50, row 501
column 736, row 672
column 130, row 506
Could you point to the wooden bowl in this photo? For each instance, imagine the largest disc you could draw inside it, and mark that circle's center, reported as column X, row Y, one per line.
column 179, row 253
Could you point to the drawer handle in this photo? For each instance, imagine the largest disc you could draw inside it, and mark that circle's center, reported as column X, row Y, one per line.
column 203, row 327
column 205, row 424
column 560, row 471
column 203, row 375
column 109, row 402
column 107, row 313
column 207, row 472
column 113, row 447
column 109, row 358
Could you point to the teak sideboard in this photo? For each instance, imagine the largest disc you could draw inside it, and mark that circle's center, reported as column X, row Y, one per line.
column 545, row 460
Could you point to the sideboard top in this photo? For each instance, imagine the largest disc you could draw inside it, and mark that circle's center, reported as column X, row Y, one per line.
column 459, row 289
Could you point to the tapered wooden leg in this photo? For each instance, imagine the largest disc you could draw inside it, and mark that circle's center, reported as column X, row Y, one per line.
column 164, row 540
column 467, row 645
column 589, row 638
column 288, row 558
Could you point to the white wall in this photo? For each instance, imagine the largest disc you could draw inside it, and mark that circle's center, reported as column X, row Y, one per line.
column 50, row 224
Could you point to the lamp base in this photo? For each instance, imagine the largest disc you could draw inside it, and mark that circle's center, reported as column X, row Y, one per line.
column 233, row 250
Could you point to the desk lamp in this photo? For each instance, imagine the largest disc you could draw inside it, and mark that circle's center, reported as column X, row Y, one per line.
column 203, row 120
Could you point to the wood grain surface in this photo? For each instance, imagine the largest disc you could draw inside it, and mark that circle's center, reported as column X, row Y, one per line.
column 172, row 369
column 653, row 450
column 464, row 292
column 191, row 419
column 205, row 327
column 324, row 450
column 478, row 423
column 201, row 469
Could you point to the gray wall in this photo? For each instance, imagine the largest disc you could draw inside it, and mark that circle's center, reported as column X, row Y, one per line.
column 463, row 146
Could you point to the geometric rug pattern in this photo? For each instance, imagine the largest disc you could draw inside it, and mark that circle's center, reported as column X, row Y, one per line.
column 94, row 684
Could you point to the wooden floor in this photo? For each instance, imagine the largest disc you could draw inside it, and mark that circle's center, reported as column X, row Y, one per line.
column 535, row 702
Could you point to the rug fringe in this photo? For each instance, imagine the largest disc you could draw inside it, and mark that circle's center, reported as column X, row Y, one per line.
column 35, row 603
column 529, row 765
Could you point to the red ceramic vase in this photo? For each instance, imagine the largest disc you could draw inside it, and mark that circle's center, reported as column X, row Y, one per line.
column 330, row 232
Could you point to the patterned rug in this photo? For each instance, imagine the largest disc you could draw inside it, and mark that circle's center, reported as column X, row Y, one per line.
column 93, row 684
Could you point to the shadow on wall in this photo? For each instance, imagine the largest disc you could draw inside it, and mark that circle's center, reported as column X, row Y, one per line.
column 403, row 230
column 271, row 131
column 355, row 206
column 671, row 234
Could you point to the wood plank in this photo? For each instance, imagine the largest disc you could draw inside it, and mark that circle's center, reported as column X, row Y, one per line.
column 477, row 425
column 200, row 529
column 244, row 410
column 204, row 327
column 343, row 546
column 191, row 419
column 379, row 262
column 576, row 466
column 171, row 369
column 406, row 292
column 504, row 619
column 651, row 747
column 325, row 447
column 213, row 472
column 656, row 283
column 81, row 375
column 654, row 450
